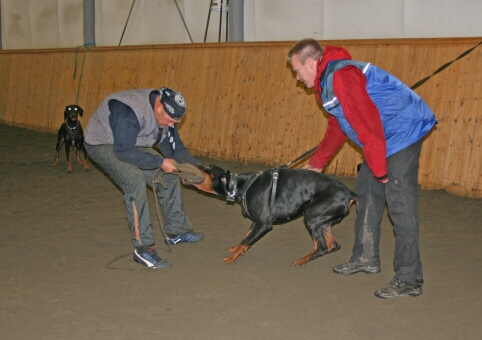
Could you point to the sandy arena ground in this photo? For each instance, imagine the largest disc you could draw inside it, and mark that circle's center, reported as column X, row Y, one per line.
column 67, row 270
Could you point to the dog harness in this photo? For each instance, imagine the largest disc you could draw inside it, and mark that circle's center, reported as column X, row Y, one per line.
column 273, row 192
column 241, row 194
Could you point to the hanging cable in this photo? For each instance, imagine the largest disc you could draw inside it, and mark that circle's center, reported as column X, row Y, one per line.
column 127, row 21
column 183, row 21
column 81, row 70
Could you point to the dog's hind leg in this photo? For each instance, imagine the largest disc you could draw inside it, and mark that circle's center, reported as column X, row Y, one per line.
column 329, row 239
column 318, row 219
column 323, row 243
column 311, row 256
column 256, row 232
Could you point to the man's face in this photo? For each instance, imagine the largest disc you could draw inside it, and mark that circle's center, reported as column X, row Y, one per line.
column 306, row 72
column 163, row 119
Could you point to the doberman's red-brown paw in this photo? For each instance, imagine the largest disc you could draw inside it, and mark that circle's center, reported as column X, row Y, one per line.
column 232, row 249
column 230, row 259
column 236, row 251
column 301, row 262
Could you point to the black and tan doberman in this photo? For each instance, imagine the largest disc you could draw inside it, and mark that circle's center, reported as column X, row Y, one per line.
column 279, row 195
column 72, row 135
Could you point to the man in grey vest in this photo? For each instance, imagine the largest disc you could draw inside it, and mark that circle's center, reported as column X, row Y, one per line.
column 120, row 137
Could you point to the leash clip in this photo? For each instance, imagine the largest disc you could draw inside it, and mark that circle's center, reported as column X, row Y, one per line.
column 231, row 196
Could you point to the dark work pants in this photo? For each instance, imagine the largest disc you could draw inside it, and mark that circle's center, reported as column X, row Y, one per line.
column 133, row 182
column 401, row 196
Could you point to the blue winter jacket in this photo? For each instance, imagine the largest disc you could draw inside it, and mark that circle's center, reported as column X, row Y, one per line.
column 406, row 118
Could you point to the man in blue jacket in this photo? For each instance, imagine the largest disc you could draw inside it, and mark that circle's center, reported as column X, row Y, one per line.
column 388, row 121
column 120, row 137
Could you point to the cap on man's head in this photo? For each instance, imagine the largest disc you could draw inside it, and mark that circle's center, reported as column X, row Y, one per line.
column 173, row 102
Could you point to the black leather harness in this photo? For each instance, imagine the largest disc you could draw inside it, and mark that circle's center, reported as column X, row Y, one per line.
column 241, row 194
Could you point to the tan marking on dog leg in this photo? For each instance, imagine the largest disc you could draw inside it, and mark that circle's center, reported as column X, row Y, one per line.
column 237, row 252
column 329, row 238
column 304, row 260
column 69, row 167
column 56, row 161
column 77, row 154
column 233, row 249
column 136, row 224
column 86, row 165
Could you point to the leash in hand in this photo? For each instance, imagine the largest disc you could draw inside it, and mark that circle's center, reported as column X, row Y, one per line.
column 300, row 157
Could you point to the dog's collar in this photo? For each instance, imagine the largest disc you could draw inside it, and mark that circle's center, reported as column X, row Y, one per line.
column 232, row 186
column 71, row 128
column 233, row 193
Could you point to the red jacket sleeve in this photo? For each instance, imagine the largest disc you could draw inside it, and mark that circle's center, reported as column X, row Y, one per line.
column 329, row 145
column 349, row 86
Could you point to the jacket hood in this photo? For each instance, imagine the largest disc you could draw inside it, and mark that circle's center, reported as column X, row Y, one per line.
column 330, row 53
column 333, row 53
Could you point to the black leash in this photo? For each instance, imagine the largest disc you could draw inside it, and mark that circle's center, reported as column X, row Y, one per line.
column 417, row 84
column 307, row 153
column 443, row 67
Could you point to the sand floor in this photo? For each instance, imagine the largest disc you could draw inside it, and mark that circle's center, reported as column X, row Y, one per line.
column 67, row 270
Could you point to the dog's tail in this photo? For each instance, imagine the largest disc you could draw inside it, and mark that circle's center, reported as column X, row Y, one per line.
column 352, row 195
column 351, row 199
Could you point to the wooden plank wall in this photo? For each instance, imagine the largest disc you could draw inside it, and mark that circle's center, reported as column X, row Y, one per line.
column 243, row 101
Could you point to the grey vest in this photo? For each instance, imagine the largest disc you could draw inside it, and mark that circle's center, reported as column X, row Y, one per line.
column 98, row 130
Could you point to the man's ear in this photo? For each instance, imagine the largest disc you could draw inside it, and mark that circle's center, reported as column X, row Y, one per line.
column 311, row 63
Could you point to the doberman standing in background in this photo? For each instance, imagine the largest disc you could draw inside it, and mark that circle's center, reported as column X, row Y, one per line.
column 72, row 135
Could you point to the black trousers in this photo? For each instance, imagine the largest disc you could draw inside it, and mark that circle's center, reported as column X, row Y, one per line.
column 401, row 197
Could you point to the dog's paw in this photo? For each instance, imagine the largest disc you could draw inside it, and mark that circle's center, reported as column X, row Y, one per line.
column 299, row 263
column 230, row 259
column 232, row 249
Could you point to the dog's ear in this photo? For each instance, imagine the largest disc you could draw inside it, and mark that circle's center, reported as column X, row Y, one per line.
column 81, row 111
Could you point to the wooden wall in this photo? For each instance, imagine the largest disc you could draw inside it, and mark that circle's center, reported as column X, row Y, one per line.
column 243, row 102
